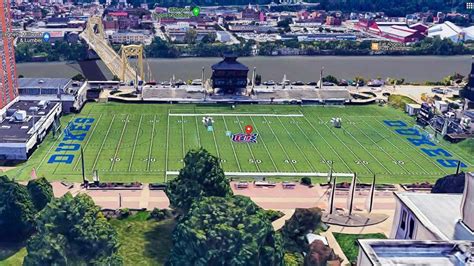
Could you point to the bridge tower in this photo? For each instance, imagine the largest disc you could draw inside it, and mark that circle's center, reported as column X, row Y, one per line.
column 132, row 51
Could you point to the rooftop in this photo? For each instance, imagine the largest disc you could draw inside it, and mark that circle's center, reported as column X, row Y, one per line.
column 409, row 252
column 230, row 63
column 440, row 213
column 45, row 83
column 12, row 131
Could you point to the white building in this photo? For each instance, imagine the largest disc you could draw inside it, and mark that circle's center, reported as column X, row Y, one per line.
column 420, row 216
column 223, row 36
column 131, row 38
column 449, row 30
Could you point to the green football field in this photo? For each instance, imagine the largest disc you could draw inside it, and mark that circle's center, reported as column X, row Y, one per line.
column 147, row 142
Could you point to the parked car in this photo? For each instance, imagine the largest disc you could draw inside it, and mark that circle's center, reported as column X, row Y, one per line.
column 437, row 90
column 297, row 83
column 269, row 83
column 343, row 82
column 328, row 83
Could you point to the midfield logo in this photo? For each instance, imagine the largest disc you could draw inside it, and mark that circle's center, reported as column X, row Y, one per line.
column 244, row 138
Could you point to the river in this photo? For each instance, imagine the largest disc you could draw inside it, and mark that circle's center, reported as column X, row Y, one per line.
column 412, row 68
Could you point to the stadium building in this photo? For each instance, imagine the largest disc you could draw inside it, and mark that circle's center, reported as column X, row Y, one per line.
column 229, row 75
column 8, row 80
column 71, row 94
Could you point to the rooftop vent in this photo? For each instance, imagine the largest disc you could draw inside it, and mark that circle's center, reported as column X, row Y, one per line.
column 20, row 116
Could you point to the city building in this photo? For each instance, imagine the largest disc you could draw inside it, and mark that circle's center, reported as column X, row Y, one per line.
column 131, row 38
column 71, row 94
column 229, row 75
column 8, row 77
column 24, row 125
column 447, row 217
column 393, row 30
column 449, row 30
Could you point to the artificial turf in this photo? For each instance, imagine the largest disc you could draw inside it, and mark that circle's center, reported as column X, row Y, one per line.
column 140, row 142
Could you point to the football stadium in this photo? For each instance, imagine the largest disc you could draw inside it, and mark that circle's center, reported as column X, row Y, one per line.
column 147, row 143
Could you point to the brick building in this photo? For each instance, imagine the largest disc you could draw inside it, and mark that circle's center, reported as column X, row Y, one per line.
column 8, row 77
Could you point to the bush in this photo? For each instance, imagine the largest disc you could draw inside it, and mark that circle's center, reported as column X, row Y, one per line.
column 306, row 181
column 160, row 214
column 124, row 213
column 274, row 215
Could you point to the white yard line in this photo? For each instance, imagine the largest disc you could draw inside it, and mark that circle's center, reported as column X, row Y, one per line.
column 232, row 145
column 119, row 143
column 135, row 143
column 87, row 142
column 54, row 144
column 167, row 145
column 240, row 114
column 363, row 146
column 151, row 143
column 343, row 143
column 197, row 131
column 277, row 174
column 103, row 143
column 278, row 140
column 311, row 142
column 265, row 146
column 327, row 143
column 182, row 135
column 396, row 147
column 413, row 147
column 301, row 152
column 251, row 152
column 378, row 146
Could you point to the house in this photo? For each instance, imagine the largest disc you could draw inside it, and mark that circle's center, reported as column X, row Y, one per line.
column 447, row 217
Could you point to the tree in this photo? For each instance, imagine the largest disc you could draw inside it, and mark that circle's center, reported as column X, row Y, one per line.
column 16, row 211
column 41, row 192
column 450, row 184
column 330, row 78
column 78, row 77
column 73, row 230
column 319, row 254
column 202, row 176
column 302, row 222
column 225, row 231
column 190, row 36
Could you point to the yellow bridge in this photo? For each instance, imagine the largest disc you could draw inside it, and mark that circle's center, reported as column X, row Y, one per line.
column 119, row 65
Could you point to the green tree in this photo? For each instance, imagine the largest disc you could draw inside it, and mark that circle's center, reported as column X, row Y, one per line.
column 16, row 211
column 190, row 36
column 226, row 231
column 78, row 77
column 41, row 192
column 73, row 230
column 201, row 176
column 330, row 78
column 302, row 222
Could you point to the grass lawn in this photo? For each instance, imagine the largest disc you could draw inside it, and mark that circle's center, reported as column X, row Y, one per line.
column 143, row 241
column 348, row 243
column 12, row 255
column 145, row 142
